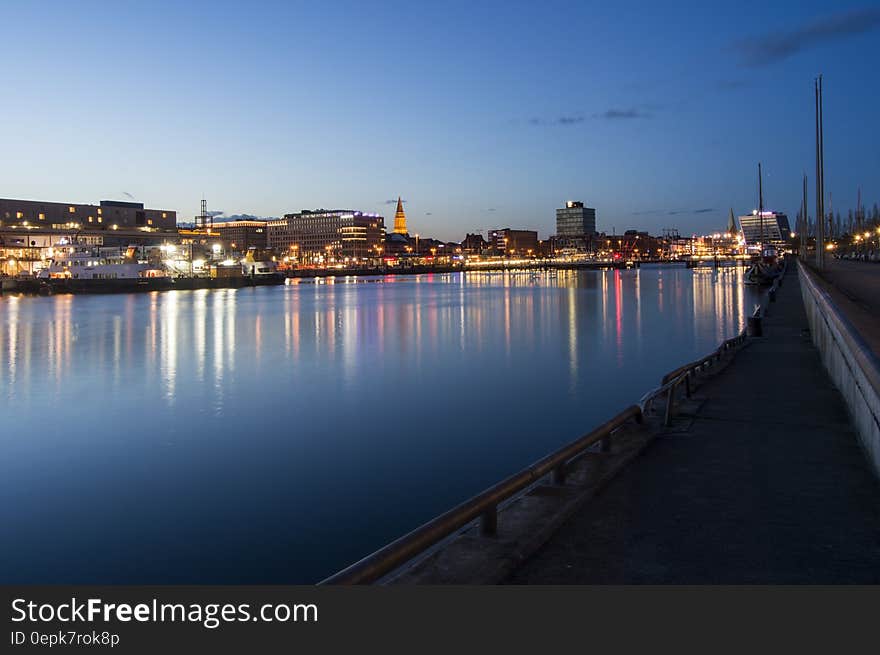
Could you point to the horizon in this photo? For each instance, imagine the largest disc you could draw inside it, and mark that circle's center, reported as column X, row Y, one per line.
column 478, row 117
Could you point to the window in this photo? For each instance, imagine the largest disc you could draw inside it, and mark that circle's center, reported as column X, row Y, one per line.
column 99, row 211
column 71, row 209
column 100, row 219
column 19, row 214
column 42, row 217
column 164, row 215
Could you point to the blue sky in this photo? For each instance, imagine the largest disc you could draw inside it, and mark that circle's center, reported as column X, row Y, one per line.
column 480, row 115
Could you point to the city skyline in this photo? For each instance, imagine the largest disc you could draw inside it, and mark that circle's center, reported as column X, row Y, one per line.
column 480, row 118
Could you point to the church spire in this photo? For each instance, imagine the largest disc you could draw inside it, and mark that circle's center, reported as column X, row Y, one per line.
column 400, row 218
column 731, row 223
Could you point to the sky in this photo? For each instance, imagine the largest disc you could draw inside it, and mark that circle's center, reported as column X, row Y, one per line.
column 479, row 114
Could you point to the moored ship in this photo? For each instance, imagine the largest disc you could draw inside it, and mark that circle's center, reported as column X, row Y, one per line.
column 81, row 269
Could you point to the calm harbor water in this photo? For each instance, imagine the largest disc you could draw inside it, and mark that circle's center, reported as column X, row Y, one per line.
column 276, row 434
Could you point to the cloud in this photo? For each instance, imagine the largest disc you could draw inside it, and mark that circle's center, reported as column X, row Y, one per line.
column 241, row 217
column 614, row 114
column 128, row 195
column 674, row 212
column 392, row 202
column 732, row 85
column 491, row 209
column 429, row 213
column 777, row 46
column 562, row 120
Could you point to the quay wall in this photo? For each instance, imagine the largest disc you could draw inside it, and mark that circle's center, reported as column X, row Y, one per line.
column 850, row 362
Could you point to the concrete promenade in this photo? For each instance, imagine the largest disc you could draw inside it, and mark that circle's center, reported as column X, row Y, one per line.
column 760, row 479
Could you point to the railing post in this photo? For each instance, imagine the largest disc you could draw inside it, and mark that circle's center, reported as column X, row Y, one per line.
column 489, row 522
column 559, row 474
column 670, row 400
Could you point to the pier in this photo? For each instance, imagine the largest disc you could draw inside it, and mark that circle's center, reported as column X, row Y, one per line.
column 761, row 480
column 755, row 465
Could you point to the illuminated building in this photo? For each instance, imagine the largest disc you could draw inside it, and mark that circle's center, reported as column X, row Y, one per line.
column 333, row 234
column 474, row 244
column 63, row 215
column 243, row 234
column 400, row 218
column 514, row 242
column 776, row 229
column 575, row 225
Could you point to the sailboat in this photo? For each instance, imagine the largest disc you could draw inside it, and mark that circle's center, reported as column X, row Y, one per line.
column 767, row 266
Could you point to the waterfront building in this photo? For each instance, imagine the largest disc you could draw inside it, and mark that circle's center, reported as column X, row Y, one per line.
column 400, row 218
column 474, row 244
column 513, row 242
column 25, row 249
column 29, row 229
column 776, row 228
column 327, row 234
column 575, row 226
column 108, row 215
column 240, row 235
column 398, row 244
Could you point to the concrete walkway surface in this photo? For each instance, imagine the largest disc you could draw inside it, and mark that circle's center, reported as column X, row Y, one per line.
column 763, row 483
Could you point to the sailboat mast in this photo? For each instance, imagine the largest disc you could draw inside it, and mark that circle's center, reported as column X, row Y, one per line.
column 805, row 225
column 761, row 205
column 859, row 210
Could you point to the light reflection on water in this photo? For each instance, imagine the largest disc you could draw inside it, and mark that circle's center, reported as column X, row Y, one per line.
column 277, row 434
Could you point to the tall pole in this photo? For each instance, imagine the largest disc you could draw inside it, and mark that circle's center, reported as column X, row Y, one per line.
column 859, row 210
column 761, row 207
column 830, row 232
column 820, row 191
column 804, row 221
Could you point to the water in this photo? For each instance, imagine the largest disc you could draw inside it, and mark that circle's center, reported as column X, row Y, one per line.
column 276, row 434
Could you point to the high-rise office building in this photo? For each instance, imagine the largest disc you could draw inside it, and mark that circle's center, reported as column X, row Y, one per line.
column 575, row 220
column 575, row 226
column 776, row 229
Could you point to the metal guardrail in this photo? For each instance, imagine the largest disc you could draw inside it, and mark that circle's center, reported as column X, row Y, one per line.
column 484, row 506
column 685, row 375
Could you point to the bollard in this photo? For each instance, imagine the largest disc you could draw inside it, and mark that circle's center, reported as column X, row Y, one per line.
column 754, row 326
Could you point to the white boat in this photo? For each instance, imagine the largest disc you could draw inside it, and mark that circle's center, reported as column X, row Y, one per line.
column 77, row 267
column 260, row 267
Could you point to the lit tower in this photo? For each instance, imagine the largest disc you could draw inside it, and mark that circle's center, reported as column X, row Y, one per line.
column 400, row 218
